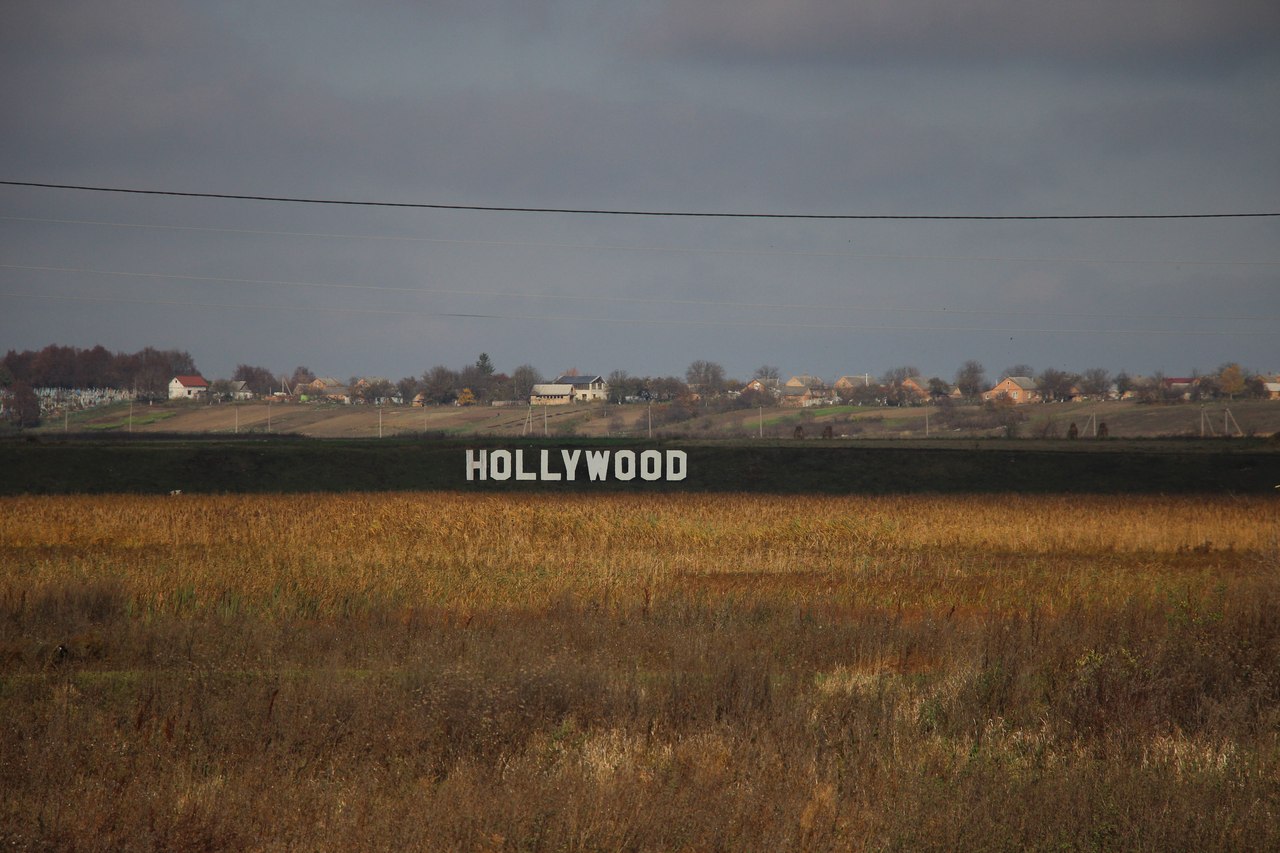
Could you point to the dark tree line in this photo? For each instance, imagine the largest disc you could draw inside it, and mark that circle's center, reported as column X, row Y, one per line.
column 146, row 372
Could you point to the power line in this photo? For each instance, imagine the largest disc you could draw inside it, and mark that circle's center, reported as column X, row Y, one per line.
column 630, row 321
column 634, row 300
column 605, row 247
column 614, row 212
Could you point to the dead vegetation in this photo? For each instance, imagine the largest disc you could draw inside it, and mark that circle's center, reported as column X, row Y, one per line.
column 450, row 671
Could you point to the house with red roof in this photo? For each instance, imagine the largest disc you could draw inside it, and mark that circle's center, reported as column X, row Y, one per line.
column 188, row 388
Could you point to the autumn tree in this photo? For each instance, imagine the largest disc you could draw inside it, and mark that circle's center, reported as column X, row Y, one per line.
column 1231, row 379
column 466, row 398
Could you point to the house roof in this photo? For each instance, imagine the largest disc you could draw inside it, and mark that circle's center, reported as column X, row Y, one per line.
column 861, row 379
column 578, row 381
column 191, row 381
column 552, row 389
column 1023, row 382
column 804, row 379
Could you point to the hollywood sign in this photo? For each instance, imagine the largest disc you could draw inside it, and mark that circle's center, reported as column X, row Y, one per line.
column 669, row 465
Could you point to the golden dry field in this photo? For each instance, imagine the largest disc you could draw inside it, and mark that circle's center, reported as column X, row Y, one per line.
column 449, row 671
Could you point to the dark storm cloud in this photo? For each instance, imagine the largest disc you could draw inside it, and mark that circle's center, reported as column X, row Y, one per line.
column 801, row 107
column 930, row 30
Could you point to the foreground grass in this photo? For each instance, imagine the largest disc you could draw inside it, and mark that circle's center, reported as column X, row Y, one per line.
column 467, row 672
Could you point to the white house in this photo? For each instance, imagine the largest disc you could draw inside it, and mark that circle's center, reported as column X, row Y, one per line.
column 551, row 394
column 239, row 390
column 570, row 389
column 188, row 388
column 586, row 388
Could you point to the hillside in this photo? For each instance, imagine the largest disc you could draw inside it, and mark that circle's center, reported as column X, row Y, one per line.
column 1122, row 419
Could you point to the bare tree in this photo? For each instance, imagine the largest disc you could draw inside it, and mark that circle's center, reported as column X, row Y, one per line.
column 440, row 384
column 476, row 378
column 259, row 380
column 523, row 378
column 706, row 377
column 408, row 388
column 301, row 376
column 1056, row 384
column 898, row 375
column 1095, row 382
column 23, row 405
column 1019, row 370
column 768, row 375
column 971, row 378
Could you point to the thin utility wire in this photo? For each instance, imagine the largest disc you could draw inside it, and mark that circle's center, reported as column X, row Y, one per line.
column 605, row 247
column 630, row 321
column 613, row 212
column 636, row 300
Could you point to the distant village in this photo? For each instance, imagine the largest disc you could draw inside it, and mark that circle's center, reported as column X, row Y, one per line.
column 34, row 384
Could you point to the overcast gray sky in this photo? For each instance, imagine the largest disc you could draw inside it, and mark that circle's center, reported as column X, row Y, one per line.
column 887, row 107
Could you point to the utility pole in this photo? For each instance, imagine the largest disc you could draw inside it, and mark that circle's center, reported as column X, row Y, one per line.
column 237, row 410
column 1226, row 413
column 268, row 417
column 130, row 416
column 650, row 419
column 762, row 421
column 379, row 422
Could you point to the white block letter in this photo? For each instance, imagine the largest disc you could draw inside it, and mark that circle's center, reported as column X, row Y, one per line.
column 624, row 464
column 476, row 464
column 545, row 473
column 677, row 465
column 597, row 464
column 500, row 464
column 522, row 474
column 651, row 465
column 570, row 458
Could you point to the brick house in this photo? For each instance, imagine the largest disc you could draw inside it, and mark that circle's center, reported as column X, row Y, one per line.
column 1018, row 389
column 916, row 387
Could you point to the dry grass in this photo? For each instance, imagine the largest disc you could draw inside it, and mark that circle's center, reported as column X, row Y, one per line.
column 451, row 671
